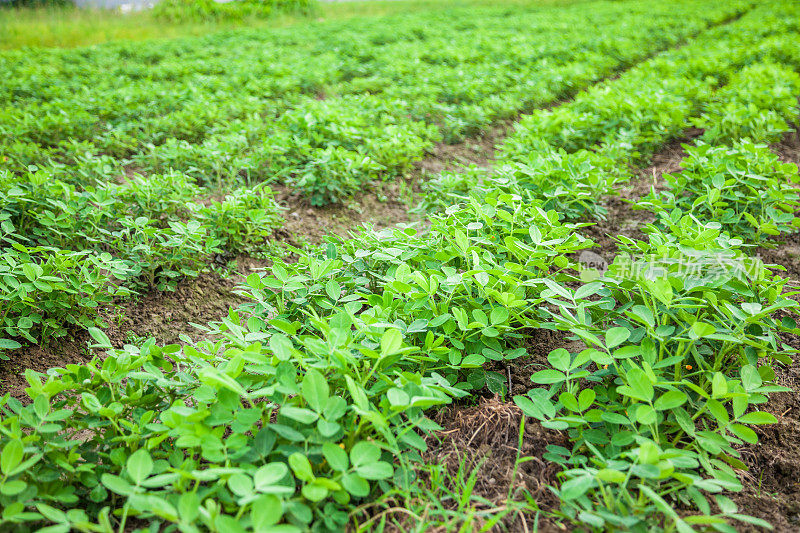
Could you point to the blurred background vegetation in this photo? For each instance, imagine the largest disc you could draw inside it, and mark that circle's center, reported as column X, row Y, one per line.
column 59, row 23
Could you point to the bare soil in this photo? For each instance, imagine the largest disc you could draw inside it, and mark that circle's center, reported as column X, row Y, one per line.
column 486, row 437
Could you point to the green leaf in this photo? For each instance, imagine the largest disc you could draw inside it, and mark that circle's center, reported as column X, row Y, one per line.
column 315, row 390
column 609, row 475
column 757, row 417
column 499, row 315
column 281, row 346
column 11, row 456
column 719, row 386
column 661, row 289
column 336, row 456
column 51, row 513
column 616, row 336
column 364, row 453
column 314, row 492
column 559, row 359
column 643, row 314
column 333, row 290
column 718, row 411
column 646, row 415
column 269, row 474
column 374, row 471
column 241, row 485
column 8, row 344
column 301, row 467
column 355, row 485
column 751, row 379
column 537, row 407
column 569, row 401
column 585, row 399
column 304, row 416
column 266, row 511
column 744, row 433
column 188, row 506
column 139, row 465
column 576, row 487
column 702, row 329
column 31, row 271
column 12, row 488
column 391, row 342
column 116, row 484
column 751, row 308
column 639, row 386
column 670, row 400
column 101, row 339
column 545, row 377
column 213, row 377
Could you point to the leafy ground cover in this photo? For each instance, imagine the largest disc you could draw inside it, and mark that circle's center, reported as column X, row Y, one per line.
column 60, row 24
column 630, row 397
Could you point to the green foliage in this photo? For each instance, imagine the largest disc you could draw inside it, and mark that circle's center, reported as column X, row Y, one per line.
column 45, row 290
column 572, row 154
column 680, row 341
column 311, row 399
column 112, row 152
column 311, row 392
column 746, row 188
column 759, row 103
column 462, row 290
column 244, row 219
column 108, row 239
column 334, row 108
column 178, row 11
column 570, row 184
column 287, row 431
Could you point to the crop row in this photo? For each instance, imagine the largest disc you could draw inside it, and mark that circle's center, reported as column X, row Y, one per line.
column 334, row 109
column 68, row 194
column 571, row 155
column 315, row 396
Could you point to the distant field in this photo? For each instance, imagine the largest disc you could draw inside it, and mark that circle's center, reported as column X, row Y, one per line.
column 70, row 27
column 412, row 266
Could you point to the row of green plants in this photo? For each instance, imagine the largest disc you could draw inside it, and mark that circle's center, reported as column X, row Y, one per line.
column 682, row 333
column 229, row 107
column 69, row 251
column 743, row 186
column 729, row 80
column 314, row 397
column 182, row 11
column 759, row 103
column 329, row 159
column 681, row 340
column 729, row 174
column 90, row 160
column 312, row 393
